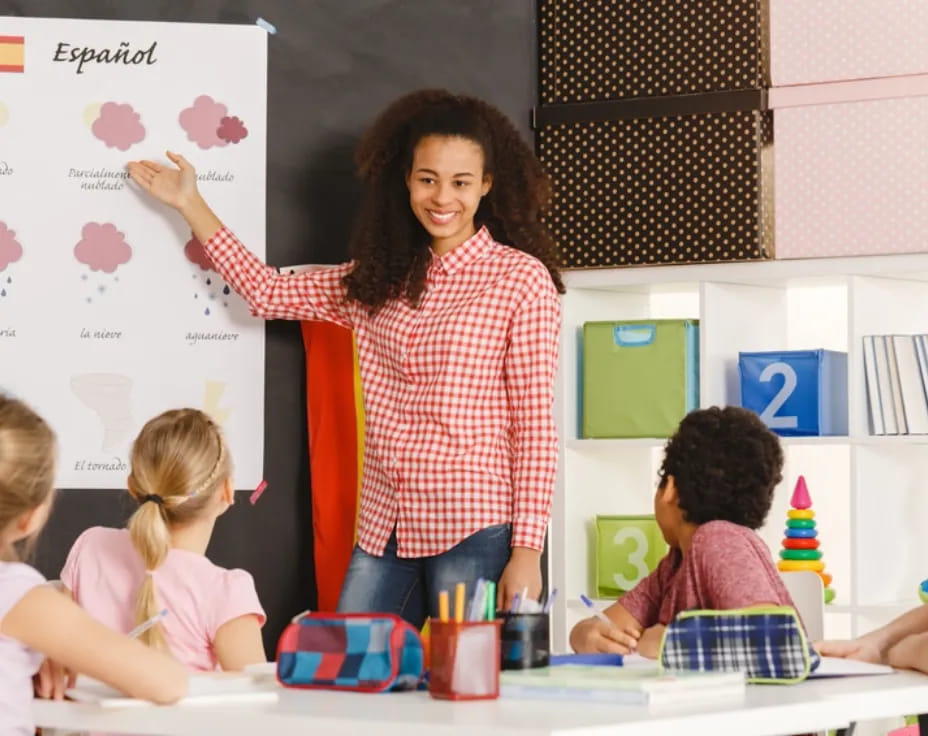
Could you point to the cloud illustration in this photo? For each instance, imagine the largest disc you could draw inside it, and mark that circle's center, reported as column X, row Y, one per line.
column 10, row 249
column 102, row 247
column 201, row 122
column 118, row 126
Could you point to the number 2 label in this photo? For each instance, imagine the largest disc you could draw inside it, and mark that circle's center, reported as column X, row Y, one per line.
column 769, row 414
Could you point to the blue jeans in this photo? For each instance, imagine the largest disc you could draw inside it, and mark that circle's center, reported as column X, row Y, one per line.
column 409, row 587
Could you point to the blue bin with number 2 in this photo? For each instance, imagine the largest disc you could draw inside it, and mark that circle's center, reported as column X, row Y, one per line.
column 797, row 393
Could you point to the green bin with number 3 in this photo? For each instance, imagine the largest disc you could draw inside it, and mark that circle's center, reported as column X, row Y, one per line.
column 627, row 549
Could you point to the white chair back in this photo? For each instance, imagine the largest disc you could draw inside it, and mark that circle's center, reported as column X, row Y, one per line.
column 808, row 594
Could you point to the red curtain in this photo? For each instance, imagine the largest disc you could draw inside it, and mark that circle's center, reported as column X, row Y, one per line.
column 335, row 423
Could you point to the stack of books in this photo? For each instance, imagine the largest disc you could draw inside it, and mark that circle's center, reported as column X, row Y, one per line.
column 896, row 369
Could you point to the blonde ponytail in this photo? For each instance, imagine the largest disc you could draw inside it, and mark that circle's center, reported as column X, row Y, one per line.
column 178, row 461
column 151, row 538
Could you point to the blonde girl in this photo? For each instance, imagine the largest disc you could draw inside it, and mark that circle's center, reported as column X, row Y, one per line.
column 36, row 621
column 181, row 480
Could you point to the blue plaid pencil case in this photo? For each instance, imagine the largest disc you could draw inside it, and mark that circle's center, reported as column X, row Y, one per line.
column 350, row 651
column 768, row 644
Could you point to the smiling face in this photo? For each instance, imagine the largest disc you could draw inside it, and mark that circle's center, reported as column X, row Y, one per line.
column 446, row 181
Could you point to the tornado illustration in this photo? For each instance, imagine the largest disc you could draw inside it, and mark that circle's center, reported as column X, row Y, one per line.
column 107, row 394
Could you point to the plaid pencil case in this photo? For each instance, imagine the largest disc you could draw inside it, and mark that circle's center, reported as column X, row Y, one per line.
column 350, row 651
column 768, row 644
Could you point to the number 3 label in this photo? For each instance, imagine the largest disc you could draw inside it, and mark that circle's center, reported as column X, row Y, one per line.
column 636, row 557
column 769, row 414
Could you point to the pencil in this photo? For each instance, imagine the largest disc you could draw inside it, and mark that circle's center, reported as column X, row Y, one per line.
column 443, row 606
column 459, row 602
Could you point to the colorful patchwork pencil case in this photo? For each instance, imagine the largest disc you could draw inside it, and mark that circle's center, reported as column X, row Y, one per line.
column 350, row 651
column 768, row 644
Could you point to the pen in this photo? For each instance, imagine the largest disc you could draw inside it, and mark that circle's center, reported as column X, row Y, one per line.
column 596, row 612
column 491, row 601
column 548, row 603
column 146, row 625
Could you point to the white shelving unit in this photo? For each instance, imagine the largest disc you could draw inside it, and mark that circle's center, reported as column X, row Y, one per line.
column 870, row 494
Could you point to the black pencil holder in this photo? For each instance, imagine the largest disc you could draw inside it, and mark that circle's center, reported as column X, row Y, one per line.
column 524, row 640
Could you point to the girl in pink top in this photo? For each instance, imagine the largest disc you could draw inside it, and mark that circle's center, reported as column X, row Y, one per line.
column 181, row 479
column 36, row 621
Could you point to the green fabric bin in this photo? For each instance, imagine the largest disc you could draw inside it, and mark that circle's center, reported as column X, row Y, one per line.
column 639, row 377
column 627, row 549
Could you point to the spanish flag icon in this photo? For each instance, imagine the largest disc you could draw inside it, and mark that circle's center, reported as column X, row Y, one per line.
column 12, row 53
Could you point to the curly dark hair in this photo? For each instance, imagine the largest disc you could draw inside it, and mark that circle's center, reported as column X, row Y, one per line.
column 389, row 246
column 725, row 465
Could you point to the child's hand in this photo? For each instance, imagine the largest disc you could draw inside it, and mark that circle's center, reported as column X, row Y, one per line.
column 52, row 680
column 861, row 649
column 593, row 636
column 649, row 645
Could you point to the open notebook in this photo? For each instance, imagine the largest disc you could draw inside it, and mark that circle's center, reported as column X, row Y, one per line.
column 204, row 689
column 628, row 685
column 836, row 667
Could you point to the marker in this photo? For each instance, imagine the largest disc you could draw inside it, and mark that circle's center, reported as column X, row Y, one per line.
column 596, row 612
column 146, row 625
column 491, row 601
column 256, row 493
column 477, row 603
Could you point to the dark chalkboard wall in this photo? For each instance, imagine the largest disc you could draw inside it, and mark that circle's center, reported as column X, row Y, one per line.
column 332, row 65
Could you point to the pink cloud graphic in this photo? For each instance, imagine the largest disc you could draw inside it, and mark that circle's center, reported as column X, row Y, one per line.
column 201, row 121
column 102, row 247
column 197, row 254
column 119, row 126
column 232, row 129
column 10, row 249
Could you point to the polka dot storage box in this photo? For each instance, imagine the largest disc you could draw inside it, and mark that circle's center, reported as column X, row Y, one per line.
column 651, row 125
column 730, row 130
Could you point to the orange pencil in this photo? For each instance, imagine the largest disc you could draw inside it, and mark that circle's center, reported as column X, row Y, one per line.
column 443, row 606
column 459, row 602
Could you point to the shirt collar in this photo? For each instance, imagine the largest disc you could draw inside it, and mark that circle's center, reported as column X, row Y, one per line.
column 475, row 246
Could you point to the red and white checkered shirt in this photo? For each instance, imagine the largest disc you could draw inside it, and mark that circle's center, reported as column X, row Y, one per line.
column 458, row 393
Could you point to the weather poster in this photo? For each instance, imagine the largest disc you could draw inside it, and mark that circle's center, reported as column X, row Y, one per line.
column 110, row 310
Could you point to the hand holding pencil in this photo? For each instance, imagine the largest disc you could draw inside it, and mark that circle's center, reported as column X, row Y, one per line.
column 602, row 635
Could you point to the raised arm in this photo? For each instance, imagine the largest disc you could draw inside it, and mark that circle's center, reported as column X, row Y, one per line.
column 314, row 295
column 52, row 624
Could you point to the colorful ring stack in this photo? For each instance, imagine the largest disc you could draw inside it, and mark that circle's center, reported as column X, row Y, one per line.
column 800, row 543
column 923, row 591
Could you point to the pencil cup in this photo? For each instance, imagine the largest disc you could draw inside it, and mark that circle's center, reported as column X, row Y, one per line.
column 524, row 640
column 464, row 659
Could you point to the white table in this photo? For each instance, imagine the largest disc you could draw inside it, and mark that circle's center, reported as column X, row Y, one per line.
column 765, row 711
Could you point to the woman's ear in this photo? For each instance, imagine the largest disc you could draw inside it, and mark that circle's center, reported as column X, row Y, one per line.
column 486, row 185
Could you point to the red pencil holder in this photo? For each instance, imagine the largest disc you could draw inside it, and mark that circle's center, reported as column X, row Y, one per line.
column 464, row 659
